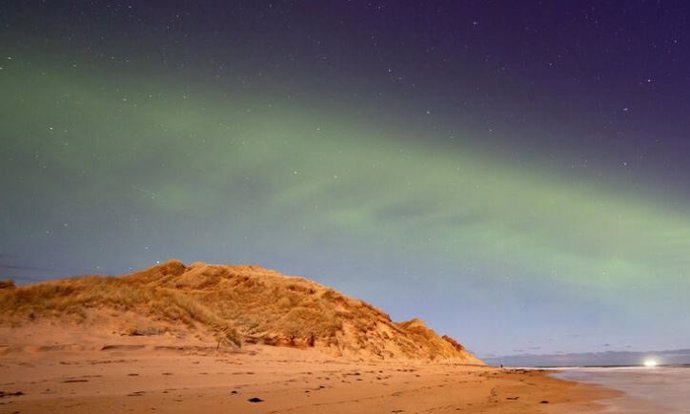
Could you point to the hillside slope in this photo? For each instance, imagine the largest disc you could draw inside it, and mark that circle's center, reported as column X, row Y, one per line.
column 238, row 305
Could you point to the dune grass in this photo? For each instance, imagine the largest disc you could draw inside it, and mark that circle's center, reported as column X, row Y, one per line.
column 72, row 298
column 236, row 304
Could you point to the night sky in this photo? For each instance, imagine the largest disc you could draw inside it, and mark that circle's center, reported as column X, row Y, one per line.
column 516, row 173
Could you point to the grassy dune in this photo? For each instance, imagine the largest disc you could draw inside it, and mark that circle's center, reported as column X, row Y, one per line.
column 238, row 305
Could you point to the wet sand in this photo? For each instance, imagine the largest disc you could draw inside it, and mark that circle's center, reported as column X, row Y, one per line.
column 660, row 390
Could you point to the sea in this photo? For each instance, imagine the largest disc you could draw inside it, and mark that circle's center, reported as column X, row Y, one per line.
column 657, row 390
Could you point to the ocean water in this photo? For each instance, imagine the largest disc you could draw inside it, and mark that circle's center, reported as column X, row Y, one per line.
column 659, row 390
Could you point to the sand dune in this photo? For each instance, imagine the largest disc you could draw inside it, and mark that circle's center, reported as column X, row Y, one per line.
column 236, row 305
column 218, row 339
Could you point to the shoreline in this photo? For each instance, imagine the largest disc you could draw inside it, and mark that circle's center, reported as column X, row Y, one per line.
column 127, row 378
column 643, row 390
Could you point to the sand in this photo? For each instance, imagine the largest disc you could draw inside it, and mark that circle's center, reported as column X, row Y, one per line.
column 141, row 374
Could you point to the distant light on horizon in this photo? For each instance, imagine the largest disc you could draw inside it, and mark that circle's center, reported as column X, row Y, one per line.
column 650, row 363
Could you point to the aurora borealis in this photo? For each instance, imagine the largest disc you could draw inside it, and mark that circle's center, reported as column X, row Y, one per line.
column 516, row 175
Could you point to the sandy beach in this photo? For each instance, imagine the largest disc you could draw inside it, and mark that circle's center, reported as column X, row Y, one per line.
column 153, row 342
column 145, row 377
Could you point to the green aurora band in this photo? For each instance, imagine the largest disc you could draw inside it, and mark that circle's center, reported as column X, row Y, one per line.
column 152, row 161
